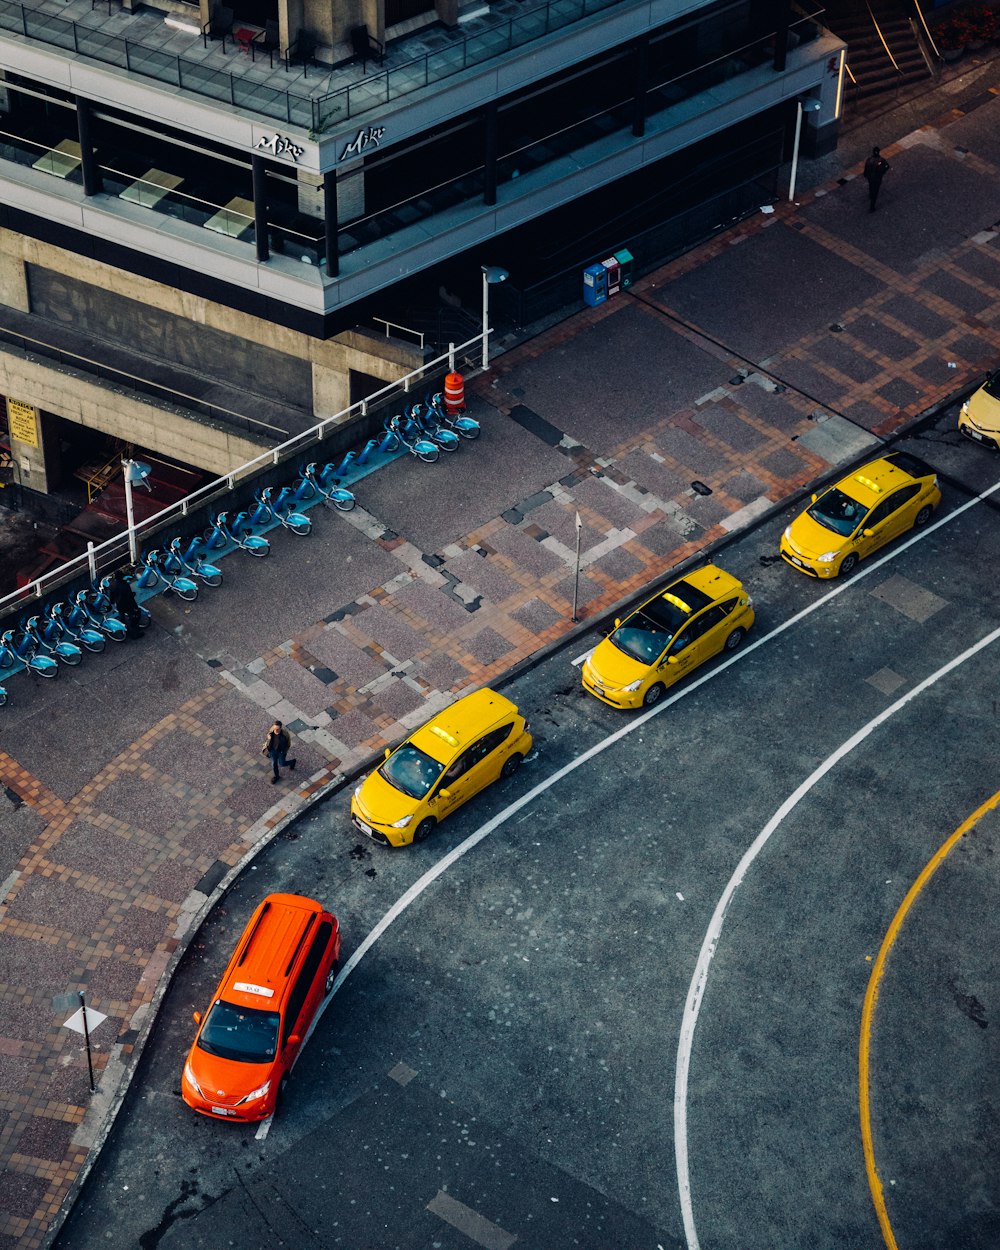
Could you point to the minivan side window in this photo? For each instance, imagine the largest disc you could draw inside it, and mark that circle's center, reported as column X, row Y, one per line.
column 303, row 982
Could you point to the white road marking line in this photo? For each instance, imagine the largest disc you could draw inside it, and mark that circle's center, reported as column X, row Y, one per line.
column 699, row 980
column 264, row 1128
column 580, row 658
column 475, row 1226
column 473, row 840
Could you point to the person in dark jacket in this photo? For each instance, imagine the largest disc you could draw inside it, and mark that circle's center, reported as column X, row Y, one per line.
column 876, row 168
column 124, row 600
column 276, row 745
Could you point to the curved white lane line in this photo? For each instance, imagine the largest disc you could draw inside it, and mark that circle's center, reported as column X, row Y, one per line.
column 634, row 723
column 699, row 981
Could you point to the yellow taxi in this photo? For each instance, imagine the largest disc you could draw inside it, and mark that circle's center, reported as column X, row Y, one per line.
column 980, row 415
column 863, row 512
column 465, row 748
column 704, row 612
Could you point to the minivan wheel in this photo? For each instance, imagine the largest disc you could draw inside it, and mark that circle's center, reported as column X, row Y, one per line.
column 735, row 638
column 331, row 976
column 848, row 563
column 923, row 516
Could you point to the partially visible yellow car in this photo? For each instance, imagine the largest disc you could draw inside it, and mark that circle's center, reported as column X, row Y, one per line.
column 704, row 612
column 863, row 512
column 980, row 415
column 465, row 748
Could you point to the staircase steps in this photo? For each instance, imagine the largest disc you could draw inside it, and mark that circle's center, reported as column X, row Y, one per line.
column 867, row 58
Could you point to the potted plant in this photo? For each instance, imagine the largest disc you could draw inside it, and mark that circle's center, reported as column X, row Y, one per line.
column 982, row 27
column 951, row 37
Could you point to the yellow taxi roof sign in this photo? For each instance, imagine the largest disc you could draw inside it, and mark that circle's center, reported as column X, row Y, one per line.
column 866, row 481
column 443, row 733
column 678, row 603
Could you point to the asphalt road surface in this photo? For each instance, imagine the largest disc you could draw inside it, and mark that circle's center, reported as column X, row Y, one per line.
column 720, row 975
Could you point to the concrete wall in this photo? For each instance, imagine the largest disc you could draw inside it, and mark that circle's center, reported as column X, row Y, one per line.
column 97, row 407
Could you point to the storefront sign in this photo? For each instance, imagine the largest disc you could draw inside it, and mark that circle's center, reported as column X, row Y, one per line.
column 367, row 137
column 280, row 146
column 23, row 420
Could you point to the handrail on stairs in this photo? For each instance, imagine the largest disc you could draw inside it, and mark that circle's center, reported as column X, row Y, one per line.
column 878, row 31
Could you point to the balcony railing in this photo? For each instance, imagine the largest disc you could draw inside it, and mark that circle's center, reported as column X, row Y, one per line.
column 318, row 113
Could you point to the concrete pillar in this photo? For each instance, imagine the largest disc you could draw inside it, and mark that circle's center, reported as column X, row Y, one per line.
column 13, row 282
column 350, row 190
column 331, row 391
column 27, row 445
column 310, row 189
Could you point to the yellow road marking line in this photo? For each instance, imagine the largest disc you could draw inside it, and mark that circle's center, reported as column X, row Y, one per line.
column 871, row 998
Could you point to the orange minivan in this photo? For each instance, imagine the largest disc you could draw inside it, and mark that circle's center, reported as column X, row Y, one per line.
column 249, row 1038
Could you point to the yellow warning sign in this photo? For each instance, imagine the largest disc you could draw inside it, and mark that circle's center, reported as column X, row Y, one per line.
column 23, row 419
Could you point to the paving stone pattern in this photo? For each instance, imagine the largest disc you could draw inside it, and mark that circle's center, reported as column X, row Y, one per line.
column 112, row 837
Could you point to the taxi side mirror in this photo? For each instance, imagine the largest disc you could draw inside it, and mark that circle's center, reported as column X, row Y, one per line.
column 671, row 659
column 197, row 1017
column 867, row 533
column 617, row 622
column 388, row 752
column 294, row 1040
column 813, row 498
column 444, row 793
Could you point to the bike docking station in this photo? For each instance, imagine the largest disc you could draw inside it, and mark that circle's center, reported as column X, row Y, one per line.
column 61, row 632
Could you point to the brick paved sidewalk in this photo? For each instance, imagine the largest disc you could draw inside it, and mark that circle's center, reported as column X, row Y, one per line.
column 745, row 369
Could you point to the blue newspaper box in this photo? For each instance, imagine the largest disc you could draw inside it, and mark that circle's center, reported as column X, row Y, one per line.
column 595, row 285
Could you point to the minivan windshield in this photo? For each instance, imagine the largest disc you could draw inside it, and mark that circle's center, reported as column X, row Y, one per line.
column 411, row 771
column 245, row 1034
column 838, row 512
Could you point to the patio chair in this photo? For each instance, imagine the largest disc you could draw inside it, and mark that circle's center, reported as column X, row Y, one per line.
column 267, row 41
column 302, row 51
column 218, row 26
column 366, row 48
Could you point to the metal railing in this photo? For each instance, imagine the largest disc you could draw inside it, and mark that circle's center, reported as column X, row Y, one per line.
column 111, row 549
column 316, row 114
column 464, row 53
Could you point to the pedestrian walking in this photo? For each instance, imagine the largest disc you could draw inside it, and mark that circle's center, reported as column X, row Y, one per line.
column 124, row 600
column 876, row 168
column 276, row 746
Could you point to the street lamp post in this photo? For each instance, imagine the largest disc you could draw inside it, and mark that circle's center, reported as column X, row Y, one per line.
column 492, row 276
column 809, row 105
column 136, row 473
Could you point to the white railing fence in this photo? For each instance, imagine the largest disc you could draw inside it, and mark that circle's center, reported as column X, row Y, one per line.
column 111, row 551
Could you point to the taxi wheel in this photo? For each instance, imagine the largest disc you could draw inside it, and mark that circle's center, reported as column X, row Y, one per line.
column 848, row 563
column 654, row 694
column 331, row 976
column 923, row 516
column 510, row 766
column 735, row 638
column 423, row 830
column 279, row 1097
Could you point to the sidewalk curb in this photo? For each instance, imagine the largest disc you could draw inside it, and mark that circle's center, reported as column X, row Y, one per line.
column 264, row 832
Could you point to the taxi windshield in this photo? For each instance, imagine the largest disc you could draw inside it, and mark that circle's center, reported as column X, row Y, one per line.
column 411, row 771
column 245, row 1034
column 647, row 633
column 838, row 512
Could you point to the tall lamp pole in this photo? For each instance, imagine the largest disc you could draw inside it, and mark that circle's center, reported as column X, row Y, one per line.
column 492, row 276
column 809, row 105
column 136, row 473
